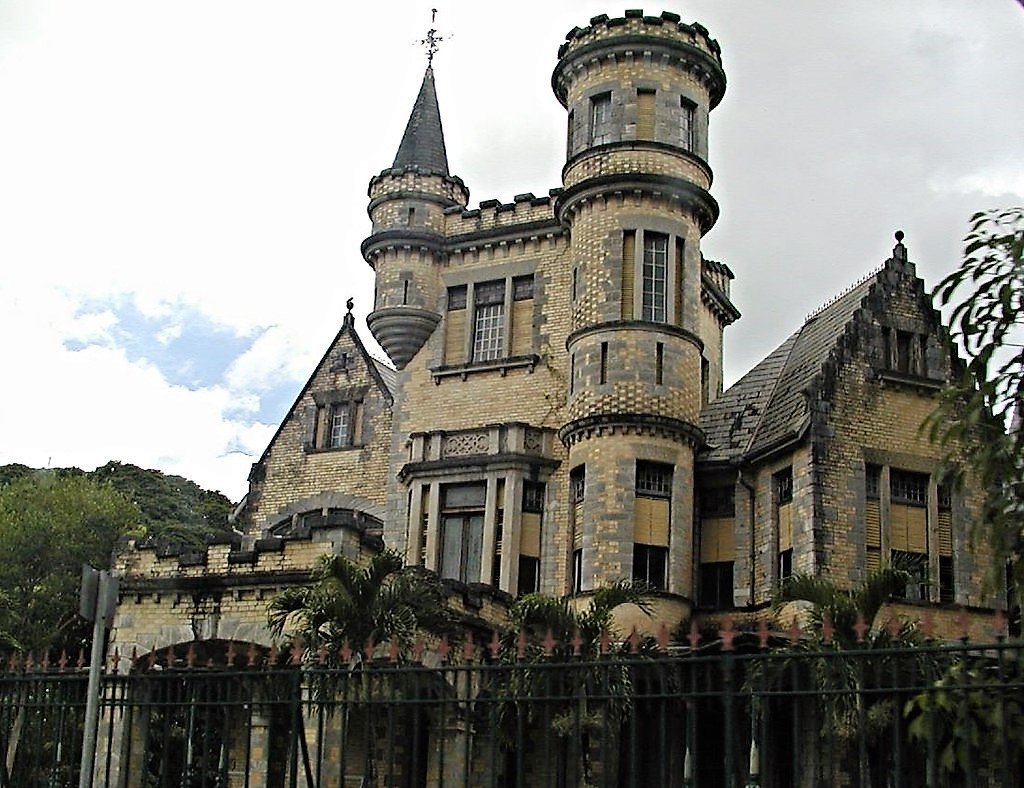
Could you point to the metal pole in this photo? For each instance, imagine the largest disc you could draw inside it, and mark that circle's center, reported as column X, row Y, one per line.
column 92, row 706
column 102, row 615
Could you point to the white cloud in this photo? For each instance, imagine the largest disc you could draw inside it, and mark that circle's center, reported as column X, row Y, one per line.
column 212, row 159
column 1002, row 181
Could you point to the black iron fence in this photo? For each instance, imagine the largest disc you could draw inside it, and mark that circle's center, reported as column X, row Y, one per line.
column 730, row 713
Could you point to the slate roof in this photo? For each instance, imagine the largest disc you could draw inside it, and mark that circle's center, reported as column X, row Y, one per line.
column 768, row 405
column 387, row 374
column 423, row 142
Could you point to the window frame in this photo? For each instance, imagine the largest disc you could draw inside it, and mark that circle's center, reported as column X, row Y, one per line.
column 600, row 130
column 653, row 481
column 321, row 414
column 716, row 595
column 654, row 273
column 687, row 124
column 488, row 337
column 888, row 488
column 469, row 517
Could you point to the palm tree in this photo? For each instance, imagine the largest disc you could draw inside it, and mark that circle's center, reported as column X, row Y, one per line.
column 357, row 606
column 854, row 664
column 566, row 673
column 381, row 601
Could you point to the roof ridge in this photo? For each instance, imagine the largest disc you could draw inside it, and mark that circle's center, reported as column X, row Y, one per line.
column 843, row 293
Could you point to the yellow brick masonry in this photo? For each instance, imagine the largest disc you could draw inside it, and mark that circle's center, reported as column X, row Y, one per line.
column 292, row 473
column 504, row 216
column 642, row 157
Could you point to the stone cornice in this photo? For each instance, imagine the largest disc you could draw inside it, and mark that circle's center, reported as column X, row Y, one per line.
column 631, row 423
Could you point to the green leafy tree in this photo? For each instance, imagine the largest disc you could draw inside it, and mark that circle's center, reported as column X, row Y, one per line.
column 972, row 717
column 49, row 526
column 174, row 509
column 983, row 406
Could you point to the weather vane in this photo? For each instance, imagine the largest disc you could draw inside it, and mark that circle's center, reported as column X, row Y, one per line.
column 432, row 39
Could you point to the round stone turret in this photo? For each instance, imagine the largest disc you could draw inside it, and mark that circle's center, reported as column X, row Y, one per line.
column 407, row 204
column 635, row 197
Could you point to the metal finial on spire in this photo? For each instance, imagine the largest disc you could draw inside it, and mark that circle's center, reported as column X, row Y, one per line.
column 432, row 39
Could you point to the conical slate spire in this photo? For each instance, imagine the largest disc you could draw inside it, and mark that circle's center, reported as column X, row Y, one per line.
column 423, row 142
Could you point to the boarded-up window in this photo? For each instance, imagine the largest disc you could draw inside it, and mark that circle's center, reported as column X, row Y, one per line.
column 628, row 273
column 455, row 331
column 717, row 540
column 873, row 518
column 645, row 114
column 522, row 315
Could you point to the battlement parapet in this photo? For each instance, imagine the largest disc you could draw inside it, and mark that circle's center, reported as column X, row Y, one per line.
column 299, row 550
column 416, row 182
column 638, row 35
column 524, row 212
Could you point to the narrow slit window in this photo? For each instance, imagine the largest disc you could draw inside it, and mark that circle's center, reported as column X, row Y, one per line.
column 601, row 119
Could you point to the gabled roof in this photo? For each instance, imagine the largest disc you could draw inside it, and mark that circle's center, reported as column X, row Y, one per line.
column 423, row 142
column 769, row 405
column 383, row 375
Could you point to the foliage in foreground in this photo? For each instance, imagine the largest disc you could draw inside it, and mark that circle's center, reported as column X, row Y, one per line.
column 987, row 327
column 856, row 660
column 970, row 714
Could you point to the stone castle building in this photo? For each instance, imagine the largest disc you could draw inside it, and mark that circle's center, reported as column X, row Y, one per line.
column 553, row 417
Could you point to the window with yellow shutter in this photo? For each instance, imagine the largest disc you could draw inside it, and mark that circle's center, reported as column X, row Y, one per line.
column 947, row 593
column 455, row 330
column 782, row 484
column 628, row 273
column 489, row 321
column 577, row 486
column 717, row 551
column 530, row 538
column 908, row 530
column 651, row 519
column 645, row 104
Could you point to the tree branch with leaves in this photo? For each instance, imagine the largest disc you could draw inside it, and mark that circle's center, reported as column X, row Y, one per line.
column 983, row 406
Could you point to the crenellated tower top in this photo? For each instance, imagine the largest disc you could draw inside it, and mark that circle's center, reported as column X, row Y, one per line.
column 636, row 36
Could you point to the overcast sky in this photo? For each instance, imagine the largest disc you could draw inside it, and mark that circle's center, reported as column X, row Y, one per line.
column 183, row 185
